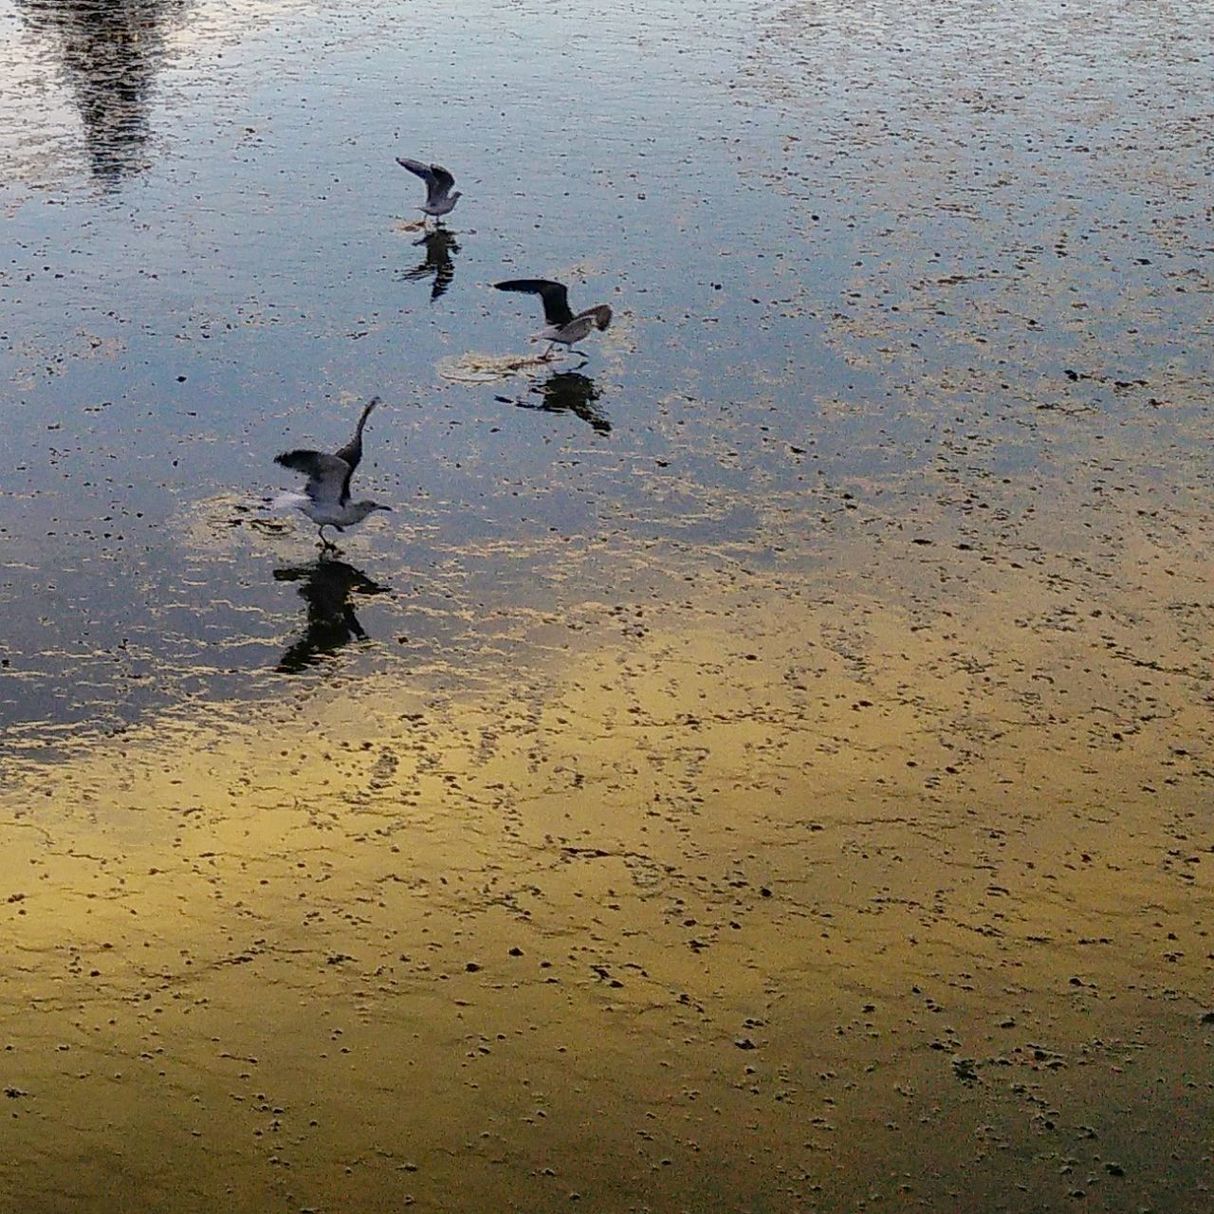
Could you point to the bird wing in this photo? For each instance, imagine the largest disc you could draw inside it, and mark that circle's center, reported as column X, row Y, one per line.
column 414, row 166
column 555, row 296
column 438, row 180
column 328, row 475
column 441, row 181
column 352, row 452
column 601, row 314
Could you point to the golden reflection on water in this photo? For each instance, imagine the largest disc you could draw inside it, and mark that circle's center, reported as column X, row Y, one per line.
column 889, row 879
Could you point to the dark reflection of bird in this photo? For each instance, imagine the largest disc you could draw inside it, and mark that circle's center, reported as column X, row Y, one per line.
column 441, row 247
column 570, row 392
column 563, row 326
column 110, row 54
column 440, row 198
column 326, row 496
column 325, row 586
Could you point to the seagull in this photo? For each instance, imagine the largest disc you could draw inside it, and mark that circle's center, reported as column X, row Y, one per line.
column 439, row 198
column 563, row 325
column 326, row 496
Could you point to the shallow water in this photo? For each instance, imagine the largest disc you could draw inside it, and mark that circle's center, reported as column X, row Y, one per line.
column 764, row 766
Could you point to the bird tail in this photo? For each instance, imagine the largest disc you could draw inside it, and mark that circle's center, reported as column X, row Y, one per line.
column 288, row 500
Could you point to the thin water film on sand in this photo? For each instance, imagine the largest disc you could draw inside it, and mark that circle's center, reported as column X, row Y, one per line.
column 763, row 759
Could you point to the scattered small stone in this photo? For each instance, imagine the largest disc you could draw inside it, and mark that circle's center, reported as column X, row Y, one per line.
column 965, row 1069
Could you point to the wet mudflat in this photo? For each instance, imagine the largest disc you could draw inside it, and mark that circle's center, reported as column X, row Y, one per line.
column 766, row 766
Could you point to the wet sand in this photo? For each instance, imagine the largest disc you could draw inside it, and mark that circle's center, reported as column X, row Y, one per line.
column 775, row 892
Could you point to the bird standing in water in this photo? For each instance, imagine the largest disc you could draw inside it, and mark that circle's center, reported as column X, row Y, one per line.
column 440, row 199
column 563, row 326
column 326, row 496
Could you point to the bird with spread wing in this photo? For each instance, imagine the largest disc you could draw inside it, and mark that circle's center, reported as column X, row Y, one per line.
column 440, row 198
column 563, row 326
column 326, row 496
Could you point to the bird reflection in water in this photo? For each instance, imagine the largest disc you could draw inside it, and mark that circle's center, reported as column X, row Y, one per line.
column 110, row 53
column 441, row 248
column 325, row 585
column 568, row 392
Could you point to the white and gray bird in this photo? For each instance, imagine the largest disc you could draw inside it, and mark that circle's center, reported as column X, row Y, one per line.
column 440, row 198
column 326, row 496
column 563, row 326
